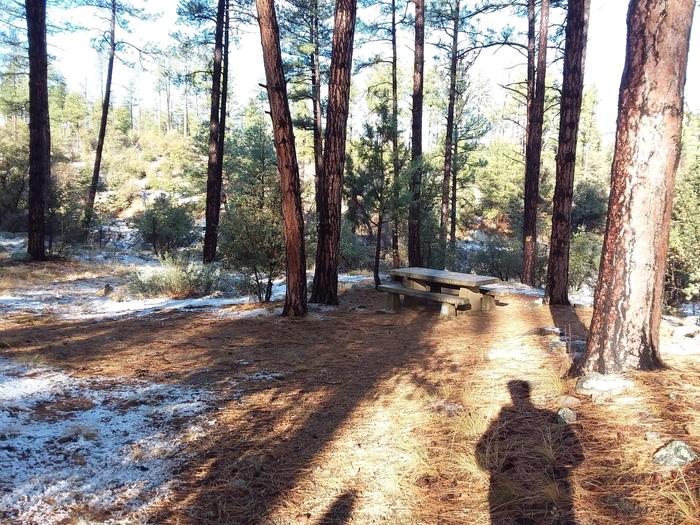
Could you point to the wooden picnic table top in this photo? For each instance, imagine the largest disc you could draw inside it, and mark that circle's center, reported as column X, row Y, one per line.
column 468, row 280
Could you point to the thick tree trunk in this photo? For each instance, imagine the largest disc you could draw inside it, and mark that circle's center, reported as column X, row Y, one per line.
column 447, row 166
column 90, row 205
column 295, row 300
column 569, row 113
column 39, row 134
column 325, row 288
column 395, row 256
column 316, row 101
column 414, row 242
column 213, row 182
column 533, row 148
column 627, row 308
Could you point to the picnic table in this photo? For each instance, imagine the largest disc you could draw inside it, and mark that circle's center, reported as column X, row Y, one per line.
column 452, row 290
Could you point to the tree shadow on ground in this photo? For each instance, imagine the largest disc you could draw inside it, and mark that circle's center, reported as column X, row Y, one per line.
column 529, row 458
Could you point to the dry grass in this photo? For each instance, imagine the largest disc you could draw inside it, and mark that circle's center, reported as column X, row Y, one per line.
column 396, row 419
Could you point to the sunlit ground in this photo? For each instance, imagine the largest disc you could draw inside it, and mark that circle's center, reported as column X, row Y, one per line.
column 354, row 416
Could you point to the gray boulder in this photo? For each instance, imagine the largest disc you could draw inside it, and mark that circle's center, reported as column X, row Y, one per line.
column 675, row 453
column 565, row 416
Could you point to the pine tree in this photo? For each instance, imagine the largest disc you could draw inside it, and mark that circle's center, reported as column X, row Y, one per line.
column 626, row 317
column 295, row 302
column 325, row 287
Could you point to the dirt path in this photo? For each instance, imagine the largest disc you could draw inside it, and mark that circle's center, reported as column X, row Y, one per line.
column 359, row 417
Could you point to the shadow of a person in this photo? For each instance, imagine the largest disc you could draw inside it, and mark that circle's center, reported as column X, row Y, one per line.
column 529, row 458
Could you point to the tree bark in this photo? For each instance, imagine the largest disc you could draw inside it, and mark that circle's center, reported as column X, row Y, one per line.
column 213, row 181
column 569, row 113
column 627, row 308
column 533, row 148
column 325, row 288
column 39, row 131
column 414, row 215
column 316, row 101
column 447, row 166
column 395, row 256
column 221, row 140
column 295, row 300
column 90, row 206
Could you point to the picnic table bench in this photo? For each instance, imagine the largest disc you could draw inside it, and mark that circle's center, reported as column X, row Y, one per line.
column 463, row 289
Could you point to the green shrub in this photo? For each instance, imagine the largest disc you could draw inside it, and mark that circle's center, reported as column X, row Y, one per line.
column 355, row 253
column 500, row 257
column 178, row 279
column 252, row 242
column 590, row 206
column 166, row 227
column 584, row 258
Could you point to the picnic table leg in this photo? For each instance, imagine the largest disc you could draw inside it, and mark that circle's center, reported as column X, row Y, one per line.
column 474, row 296
column 448, row 310
column 393, row 302
column 488, row 302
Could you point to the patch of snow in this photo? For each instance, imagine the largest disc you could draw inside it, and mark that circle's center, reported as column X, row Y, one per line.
column 516, row 288
column 263, row 375
column 107, row 446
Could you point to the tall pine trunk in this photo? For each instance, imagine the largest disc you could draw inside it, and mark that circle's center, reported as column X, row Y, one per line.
column 39, row 134
column 569, row 113
column 447, row 165
column 533, row 148
column 295, row 300
column 414, row 215
column 453, row 195
column 325, row 288
column 627, row 308
column 316, row 102
column 213, row 182
column 90, row 206
column 395, row 256
column 221, row 141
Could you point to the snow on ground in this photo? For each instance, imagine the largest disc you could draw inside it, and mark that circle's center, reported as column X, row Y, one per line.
column 75, row 448
column 80, row 298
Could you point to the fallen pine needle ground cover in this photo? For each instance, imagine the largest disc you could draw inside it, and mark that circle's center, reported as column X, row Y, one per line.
column 347, row 416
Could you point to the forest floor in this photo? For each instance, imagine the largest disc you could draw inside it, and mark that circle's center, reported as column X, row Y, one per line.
column 347, row 416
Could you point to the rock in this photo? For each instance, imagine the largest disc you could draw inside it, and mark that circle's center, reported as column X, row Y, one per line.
column 557, row 345
column 550, row 330
column 652, row 436
column 106, row 291
column 597, row 384
column 442, row 406
column 569, row 402
column 675, row 453
column 565, row 416
column 578, row 346
column 20, row 256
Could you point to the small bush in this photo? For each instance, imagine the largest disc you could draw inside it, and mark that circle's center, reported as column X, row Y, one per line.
column 252, row 242
column 355, row 252
column 584, row 258
column 178, row 279
column 166, row 227
column 500, row 257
